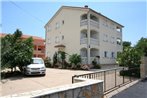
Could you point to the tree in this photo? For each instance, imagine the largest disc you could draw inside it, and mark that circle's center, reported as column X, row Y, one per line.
column 126, row 44
column 63, row 57
column 130, row 57
column 55, row 58
column 47, row 62
column 15, row 51
column 142, row 46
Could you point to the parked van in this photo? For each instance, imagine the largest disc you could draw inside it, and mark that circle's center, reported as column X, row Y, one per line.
column 37, row 67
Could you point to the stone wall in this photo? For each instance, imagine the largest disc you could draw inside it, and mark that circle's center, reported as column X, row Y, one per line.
column 86, row 89
column 143, row 67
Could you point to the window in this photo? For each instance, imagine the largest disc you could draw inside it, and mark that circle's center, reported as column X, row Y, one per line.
column 112, row 39
column 57, row 25
column 105, row 38
column 48, row 29
column 49, row 41
column 118, row 41
column 112, row 54
column 62, row 22
column 57, row 39
column 62, row 37
column 39, row 49
column 105, row 54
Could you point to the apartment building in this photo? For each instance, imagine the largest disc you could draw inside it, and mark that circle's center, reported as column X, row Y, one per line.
column 39, row 46
column 38, row 43
column 86, row 32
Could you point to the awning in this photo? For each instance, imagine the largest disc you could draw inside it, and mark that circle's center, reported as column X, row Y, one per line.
column 60, row 46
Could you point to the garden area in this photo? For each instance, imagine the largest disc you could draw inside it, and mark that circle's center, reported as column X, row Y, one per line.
column 73, row 62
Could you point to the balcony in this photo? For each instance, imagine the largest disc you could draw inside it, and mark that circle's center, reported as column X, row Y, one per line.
column 83, row 22
column 94, row 41
column 84, row 60
column 84, row 41
column 39, row 52
column 93, row 23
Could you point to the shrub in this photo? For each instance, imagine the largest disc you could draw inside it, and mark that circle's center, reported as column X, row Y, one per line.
column 55, row 58
column 95, row 65
column 75, row 59
column 47, row 62
column 134, row 72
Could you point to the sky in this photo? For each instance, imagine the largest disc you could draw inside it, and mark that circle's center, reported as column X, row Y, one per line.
column 30, row 16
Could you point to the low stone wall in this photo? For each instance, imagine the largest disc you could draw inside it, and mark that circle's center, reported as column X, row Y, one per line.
column 85, row 88
column 143, row 67
column 82, row 88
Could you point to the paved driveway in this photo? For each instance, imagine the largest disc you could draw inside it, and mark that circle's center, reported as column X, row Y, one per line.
column 54, row 77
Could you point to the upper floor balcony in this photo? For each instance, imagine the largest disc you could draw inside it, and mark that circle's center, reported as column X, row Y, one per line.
column 94, row 22
column 94, row 36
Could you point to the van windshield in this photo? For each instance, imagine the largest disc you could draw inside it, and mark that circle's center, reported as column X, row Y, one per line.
column 37, row 61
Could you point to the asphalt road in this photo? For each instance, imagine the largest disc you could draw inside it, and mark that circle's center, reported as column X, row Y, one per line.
column 138, row 90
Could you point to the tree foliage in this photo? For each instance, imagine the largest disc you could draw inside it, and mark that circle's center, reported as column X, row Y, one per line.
column 16, row 52
column 62, row 57
column 142, row 46
column 55, row 58
column 126, row 44
column 130, row 57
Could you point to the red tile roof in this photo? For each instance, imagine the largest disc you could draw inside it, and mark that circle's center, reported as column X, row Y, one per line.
column 24, row 36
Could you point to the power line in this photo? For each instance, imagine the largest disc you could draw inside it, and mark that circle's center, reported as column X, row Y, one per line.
column 25, row 11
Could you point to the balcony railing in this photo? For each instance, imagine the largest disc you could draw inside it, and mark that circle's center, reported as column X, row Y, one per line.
column 83, row 22
column 92, row 23
column 83, row 41
column 84, row 60
column 94, row 41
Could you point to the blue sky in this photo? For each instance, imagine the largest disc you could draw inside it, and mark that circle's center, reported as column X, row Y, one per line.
column 31, row 16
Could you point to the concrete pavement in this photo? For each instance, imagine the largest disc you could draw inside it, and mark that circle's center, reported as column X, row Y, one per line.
column 138, row 90
column 53, row 78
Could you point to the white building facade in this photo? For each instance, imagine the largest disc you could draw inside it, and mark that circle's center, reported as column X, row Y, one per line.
column 86, row 32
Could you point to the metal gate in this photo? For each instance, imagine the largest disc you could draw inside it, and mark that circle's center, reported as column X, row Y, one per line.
column 113, row 78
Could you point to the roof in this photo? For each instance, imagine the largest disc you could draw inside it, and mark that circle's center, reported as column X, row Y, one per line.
column 3, row 34
column 82, row 8
column 34, row 37
column 24, row 36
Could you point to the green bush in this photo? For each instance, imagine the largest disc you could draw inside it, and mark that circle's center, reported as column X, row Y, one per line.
column 135, row 72
column 55, row 58
column 95, row 65
column 75, row 59
column 47, row 62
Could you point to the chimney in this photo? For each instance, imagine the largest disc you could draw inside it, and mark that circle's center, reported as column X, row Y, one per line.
column 86, row 6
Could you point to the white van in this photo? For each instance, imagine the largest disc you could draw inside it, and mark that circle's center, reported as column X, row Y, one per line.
column 37, row 67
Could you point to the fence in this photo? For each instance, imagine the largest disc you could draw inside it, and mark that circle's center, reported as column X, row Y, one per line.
column 111, row 77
